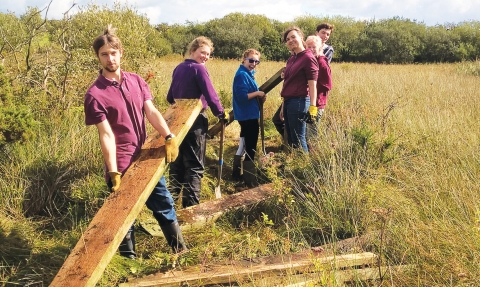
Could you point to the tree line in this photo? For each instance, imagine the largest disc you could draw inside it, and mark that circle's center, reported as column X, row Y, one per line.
column 43, row 62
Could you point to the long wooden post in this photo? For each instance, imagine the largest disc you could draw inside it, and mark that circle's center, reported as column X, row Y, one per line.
column 87, row 261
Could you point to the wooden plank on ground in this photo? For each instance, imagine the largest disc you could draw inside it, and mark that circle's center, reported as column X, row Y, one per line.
column 266, row 87
column 87, row 261
column 364, row 274
column 330, row 277
column 207, row 212
column 247, row 271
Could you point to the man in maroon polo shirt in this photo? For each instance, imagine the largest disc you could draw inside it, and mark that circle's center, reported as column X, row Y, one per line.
column 117, row 104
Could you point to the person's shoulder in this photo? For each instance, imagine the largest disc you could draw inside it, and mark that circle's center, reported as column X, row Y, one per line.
column 307, row 53
column 130, row 75
column 95, row 87
column 323, row 61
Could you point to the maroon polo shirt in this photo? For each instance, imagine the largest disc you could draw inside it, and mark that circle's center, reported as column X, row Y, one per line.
column 300, row 68
column 121, row 104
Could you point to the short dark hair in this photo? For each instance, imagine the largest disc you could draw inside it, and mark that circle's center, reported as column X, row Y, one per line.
column 327, row 26
column 290, row 29
column 107, row 37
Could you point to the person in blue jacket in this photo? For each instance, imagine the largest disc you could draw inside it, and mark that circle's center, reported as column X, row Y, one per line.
column 246, row 111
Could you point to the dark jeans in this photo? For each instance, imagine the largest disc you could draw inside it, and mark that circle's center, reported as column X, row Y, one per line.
column 160, row 202
column 249, row 130
column 187, row 170
column 295, row 112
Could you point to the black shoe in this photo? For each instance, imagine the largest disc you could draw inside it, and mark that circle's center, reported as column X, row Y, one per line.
column 174, row 237
column 127, row 247
column 130, row 256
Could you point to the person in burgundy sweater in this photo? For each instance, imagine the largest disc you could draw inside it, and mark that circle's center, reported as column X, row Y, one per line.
column 324, row 83
column 299, row 91
column 324, row 31
column 190, row 80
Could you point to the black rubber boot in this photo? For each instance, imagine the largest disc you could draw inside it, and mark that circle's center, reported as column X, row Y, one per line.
column 250, row 174
column 174, row 237
column 237, row 160
column 127, row 247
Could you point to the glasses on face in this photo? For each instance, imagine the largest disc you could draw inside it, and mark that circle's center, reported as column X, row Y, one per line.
column 251, row 61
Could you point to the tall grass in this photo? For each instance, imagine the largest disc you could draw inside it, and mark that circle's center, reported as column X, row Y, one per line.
column 396, row 165
column 400, row 151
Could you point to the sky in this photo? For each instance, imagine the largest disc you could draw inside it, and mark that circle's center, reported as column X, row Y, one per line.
column 430, row 12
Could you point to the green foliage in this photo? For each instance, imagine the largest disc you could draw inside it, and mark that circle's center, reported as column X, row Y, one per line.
column 271, row 45
column 237, row 32
column 12, row 34
column 388, row 41
column 363, row 136
column 439, row 44
column 469, row 47
column 16, row 120
column 140, row 40
column 180, row 36
column 16, row 124
column 346, row 32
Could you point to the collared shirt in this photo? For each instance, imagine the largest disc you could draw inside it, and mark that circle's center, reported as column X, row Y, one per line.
column 243, row 84
column 122, row 105
column 328, row 52
column 300, row 68
column 190, row 80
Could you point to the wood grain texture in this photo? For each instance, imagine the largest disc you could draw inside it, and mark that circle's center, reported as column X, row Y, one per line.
column 87, row 261
column 251, row 270
column 207, row 212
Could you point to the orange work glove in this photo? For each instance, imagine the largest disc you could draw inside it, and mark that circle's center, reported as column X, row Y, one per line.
column 171, row 148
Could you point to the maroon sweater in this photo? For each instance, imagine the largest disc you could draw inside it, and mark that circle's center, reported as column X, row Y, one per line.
column 300, row 68
column 324, row 82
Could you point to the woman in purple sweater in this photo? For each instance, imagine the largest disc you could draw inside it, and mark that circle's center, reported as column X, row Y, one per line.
column 299, row 90
column 190, row 80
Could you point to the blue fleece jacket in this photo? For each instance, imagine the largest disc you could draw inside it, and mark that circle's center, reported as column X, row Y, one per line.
column 243, row 84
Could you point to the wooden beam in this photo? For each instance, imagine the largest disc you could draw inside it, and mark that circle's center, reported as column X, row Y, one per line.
column 373, row 273
column 331, row 277
column 247, row 271
column 209, row 211
column 266, row 87
column 99, row 242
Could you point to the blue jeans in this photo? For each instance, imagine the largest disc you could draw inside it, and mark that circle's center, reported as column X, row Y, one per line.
column 160, row 202
column 294, row 113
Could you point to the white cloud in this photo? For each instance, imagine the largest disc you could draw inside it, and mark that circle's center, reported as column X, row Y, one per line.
column 179, row 11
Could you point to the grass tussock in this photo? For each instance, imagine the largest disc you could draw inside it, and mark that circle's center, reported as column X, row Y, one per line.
column 396, row 165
